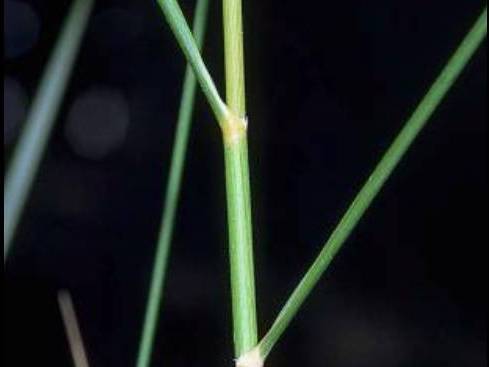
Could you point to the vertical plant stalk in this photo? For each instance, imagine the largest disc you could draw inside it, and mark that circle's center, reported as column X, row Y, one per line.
column 233, row 124
column 238, row 184
column 240, row 241
column 40, row 120
column 73, row 333
column 375, row 182
column 234, row 57
column 171, row 196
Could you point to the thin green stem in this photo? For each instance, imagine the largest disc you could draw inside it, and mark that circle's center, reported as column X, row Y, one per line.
column 376, row 180
column 240, row 244
column 238, row 185
column 186, row 41
column 234, row 57
column 233, row 124
column 171, row 196
column 40, row 120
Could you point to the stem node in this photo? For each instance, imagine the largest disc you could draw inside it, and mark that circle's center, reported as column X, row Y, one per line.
column 234, row 128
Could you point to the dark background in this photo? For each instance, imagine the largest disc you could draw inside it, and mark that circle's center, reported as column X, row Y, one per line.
column 329, row 84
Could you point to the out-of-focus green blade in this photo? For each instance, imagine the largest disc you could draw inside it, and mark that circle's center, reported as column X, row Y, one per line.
column 40, row 120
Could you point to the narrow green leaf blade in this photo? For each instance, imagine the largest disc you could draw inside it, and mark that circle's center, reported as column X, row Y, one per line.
column 172, row 195
column 40, row 120
column 186, row 41
column 376, row 180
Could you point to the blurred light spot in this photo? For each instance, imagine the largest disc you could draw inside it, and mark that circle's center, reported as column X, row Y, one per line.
column 21, row 28
column 116, row 28
column 97, row 123
column 14, row 108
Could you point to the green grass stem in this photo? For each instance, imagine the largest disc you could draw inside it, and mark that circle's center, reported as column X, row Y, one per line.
column 240, row 244
column 376, row 180
column 231, row 118
column 234, row 57
column 178, row 24
column 32, row 142
column 171, row 196
column 238, row 184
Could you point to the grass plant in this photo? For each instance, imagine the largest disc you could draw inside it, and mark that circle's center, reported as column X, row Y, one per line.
column 233, row 122
column 231, row 117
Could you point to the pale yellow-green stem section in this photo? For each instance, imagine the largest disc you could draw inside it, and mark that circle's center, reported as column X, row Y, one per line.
column 234, row 57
